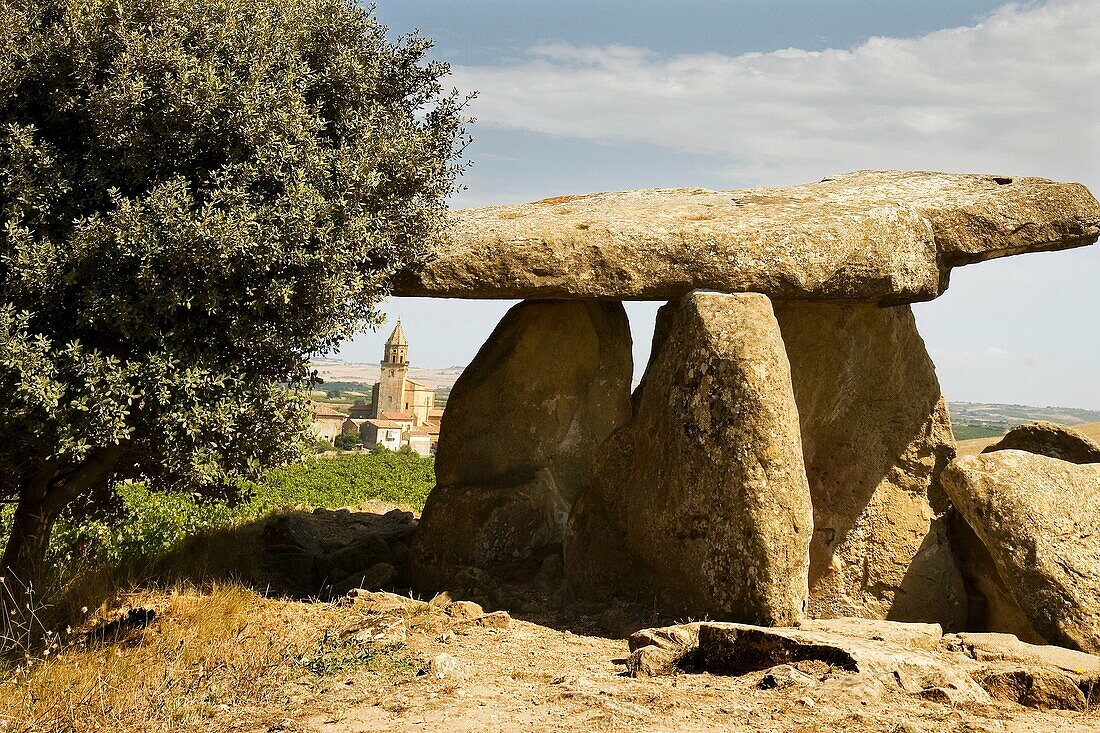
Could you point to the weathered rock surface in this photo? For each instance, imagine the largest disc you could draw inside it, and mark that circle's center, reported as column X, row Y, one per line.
column 522, row 426
column 328, row 552
column 875, row 436
column 726, row 648
column 859, row 654
column 990, row 605
column 1048, row 439
column 884, row 236
column 702, row 498
column 988, row 647
column 1039, row 518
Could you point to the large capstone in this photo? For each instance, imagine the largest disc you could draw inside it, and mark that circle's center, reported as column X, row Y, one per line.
column 521, row 428
column 1039, row 518
column 884, row 236
column 701, row 500
column 875, row 435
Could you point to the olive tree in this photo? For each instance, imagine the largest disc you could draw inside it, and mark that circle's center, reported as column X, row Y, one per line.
column 195, row 196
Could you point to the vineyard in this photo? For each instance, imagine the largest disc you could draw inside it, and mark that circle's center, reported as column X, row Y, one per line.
column 152, row 523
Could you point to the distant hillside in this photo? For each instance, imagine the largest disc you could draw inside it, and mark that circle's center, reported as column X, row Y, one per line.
column 1001, row 418
column 336, row 371
column 970, row 420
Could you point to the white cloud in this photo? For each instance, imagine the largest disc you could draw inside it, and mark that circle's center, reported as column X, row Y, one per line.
column 1018, row 92
column 995, row 352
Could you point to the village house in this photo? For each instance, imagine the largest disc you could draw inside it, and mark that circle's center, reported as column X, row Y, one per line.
column 327, row 422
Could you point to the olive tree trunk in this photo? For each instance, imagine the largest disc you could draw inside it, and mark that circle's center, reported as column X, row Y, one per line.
column 41, row 501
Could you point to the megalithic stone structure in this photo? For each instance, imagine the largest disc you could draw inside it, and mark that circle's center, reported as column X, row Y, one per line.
column 522, row 426
column 702, row 499
column 690, row 493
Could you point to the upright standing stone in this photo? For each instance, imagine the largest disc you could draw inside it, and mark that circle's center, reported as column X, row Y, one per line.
column 521, row 428
column 875, row 434
column 702, row 499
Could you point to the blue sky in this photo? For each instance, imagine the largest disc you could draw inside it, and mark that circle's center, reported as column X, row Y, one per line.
column 585, row 96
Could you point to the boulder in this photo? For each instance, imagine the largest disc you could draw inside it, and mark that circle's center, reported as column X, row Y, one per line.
column 652, row 661
column 1048, row 439
column 521, row 428
column 1033, row 688
column 1039, row 518
column 329, row 551
column 875, row 437
column 884, row 236
column 702, row 498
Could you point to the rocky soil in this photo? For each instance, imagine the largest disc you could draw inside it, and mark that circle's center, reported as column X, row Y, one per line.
column 543, row 675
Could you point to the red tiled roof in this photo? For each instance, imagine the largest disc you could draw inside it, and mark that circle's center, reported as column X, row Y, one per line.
column 399, row 416
column 321, row 411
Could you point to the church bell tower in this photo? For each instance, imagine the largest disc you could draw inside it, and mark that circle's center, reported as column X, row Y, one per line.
column 395, row 369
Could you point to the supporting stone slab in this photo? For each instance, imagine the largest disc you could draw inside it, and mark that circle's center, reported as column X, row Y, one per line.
column 702, row 500
column 875, row 435
column 521, row 428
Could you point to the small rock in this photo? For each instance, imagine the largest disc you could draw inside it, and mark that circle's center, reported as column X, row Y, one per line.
column 381, row 602
column 652, row 661
column 806, row 702
column 442, row 665
column 441, row 600
column 1034, row 688
column 494, row 620
column 463, row 610
column 681, row 636
column 382, row 631
column 943, row 695
column 784, row 675
column 907, row 728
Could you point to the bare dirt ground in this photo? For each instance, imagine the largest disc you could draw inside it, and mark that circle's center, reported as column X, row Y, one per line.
column 531, row 677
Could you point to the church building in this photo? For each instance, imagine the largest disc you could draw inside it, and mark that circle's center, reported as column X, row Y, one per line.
column 403, row 410
column 395, row 393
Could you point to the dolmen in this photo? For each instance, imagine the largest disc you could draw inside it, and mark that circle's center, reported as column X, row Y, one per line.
column 783, row 455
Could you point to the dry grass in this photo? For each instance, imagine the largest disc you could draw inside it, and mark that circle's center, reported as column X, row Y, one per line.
column 222, row 660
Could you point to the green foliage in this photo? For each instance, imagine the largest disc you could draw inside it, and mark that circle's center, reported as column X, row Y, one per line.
column 195, row 198
column 347, row 441
column 156, row 521
column 969, row 432
column 334, row 394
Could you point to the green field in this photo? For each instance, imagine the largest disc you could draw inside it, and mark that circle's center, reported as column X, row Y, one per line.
column 969, row 432
column 153, row 522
